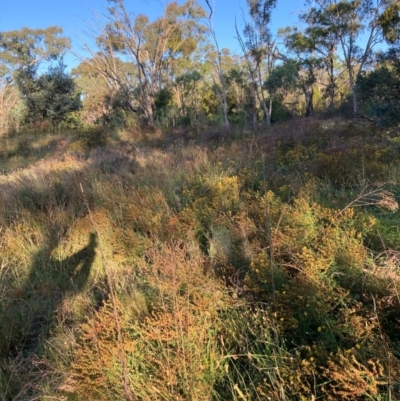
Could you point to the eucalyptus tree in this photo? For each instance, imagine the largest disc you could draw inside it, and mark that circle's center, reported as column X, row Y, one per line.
column 238, row 91
column 222, row 61
column 8, row 99
column 321, row 40
column 379, row 89
column 337, row 30
column 301, row 46
column 27, row 47
column 356, row 23
column 22, row 50
column 94, row 89
column 152, row 47
column 282, row 80
column 389, row 21
column 100, row 93
column 216, row 60
column 186, row 89
column 259, row 50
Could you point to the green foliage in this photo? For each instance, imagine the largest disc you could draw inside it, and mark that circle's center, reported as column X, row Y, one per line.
column 31, row 46
column 281, row 113
column 102, row 103
column 89, row 139
column 24, row 50
column 379, row 90
column 173, row 35
column 163, row 104
column 163, row 99
column 50, row 97
column 389, row 20
column 116, row 112
column 283, row 79
column 260, row 11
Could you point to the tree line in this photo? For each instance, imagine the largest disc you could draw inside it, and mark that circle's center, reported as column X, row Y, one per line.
column 172, row 72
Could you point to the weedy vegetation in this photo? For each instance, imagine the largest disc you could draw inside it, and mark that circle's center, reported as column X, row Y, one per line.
column 258, row 265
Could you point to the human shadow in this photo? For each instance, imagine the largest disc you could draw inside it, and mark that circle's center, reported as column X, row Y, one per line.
column 33, row 317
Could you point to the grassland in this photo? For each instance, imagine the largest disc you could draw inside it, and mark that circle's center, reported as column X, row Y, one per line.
column 145, row 265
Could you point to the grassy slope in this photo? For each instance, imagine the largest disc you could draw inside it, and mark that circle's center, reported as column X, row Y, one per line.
column 241, row 266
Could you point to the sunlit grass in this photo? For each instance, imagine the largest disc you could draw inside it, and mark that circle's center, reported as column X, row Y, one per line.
column 160, row 267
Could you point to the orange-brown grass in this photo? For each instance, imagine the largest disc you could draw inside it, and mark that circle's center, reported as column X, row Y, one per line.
column 171, row 349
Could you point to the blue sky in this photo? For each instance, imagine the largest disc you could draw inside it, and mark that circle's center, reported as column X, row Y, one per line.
column 73, row 15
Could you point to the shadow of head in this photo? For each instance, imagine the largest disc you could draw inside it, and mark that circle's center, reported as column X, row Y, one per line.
column 79, row 265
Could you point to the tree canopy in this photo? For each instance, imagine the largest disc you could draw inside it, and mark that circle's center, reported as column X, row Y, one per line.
column 171, row 70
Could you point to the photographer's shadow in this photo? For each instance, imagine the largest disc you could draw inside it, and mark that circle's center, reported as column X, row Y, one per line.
column 49, row 282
